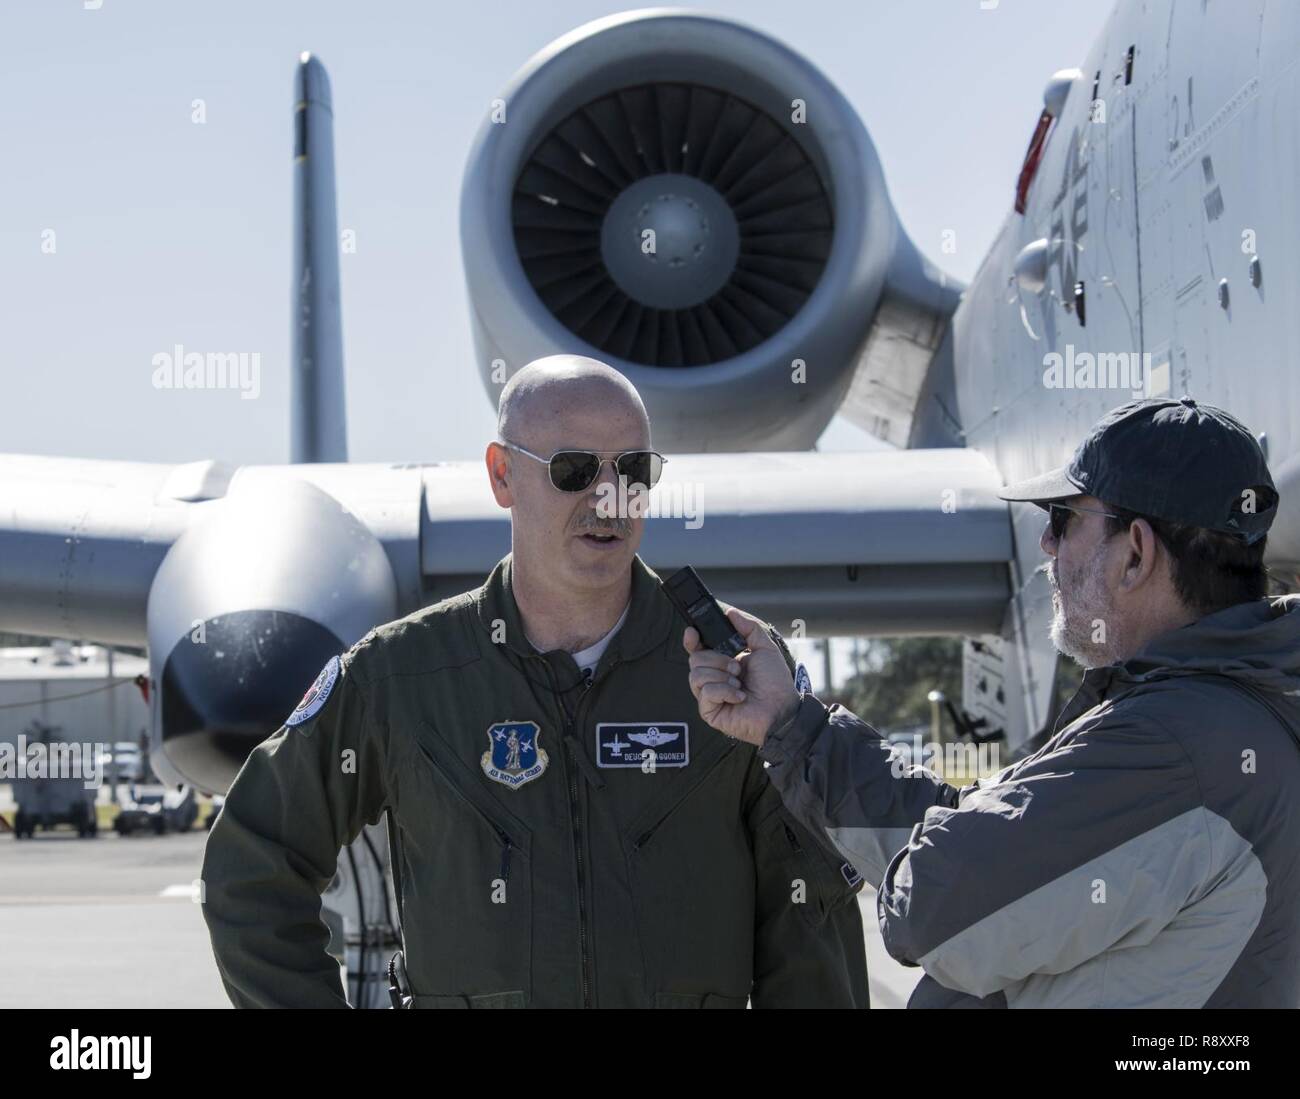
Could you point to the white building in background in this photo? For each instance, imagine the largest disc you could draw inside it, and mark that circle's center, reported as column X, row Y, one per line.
column 69, row 687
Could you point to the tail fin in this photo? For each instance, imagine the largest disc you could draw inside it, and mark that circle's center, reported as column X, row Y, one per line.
column 319, row 416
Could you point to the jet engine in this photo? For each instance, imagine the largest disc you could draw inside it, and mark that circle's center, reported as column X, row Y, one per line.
column 694, row 203
column 239, row 625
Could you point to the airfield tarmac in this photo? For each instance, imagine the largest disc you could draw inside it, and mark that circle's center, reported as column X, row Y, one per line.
column 112, row 923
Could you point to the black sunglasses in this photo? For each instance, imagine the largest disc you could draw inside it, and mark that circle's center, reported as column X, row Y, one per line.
column 1058, row 517
column 577, row 470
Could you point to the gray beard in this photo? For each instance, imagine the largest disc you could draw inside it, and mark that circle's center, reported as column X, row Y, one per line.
column 1073, row 630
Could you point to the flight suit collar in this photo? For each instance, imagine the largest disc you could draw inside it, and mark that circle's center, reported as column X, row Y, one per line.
column 650, row 615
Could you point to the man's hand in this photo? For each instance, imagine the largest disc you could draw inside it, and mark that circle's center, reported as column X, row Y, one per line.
column 745, row 696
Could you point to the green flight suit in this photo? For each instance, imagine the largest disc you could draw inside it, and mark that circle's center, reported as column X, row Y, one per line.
column 561, row 845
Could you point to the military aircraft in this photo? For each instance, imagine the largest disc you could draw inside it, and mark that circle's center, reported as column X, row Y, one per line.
column 694, row 203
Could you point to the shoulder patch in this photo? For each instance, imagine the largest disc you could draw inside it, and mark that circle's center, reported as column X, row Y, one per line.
column 514, row 754
column 316, row 694
column 802, row 680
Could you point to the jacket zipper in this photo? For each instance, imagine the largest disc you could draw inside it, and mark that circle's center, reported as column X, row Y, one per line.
column 506, row 843
column 794, row 840
column 576, row 820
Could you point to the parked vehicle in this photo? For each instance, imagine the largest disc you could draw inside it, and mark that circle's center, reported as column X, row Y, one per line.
column 44, row 802
column 157, row 809
column 123, row 763
column 48, row 802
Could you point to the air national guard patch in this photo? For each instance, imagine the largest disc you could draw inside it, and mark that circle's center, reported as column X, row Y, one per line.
column 513, row 756
column 633, row 743
column 316, row 694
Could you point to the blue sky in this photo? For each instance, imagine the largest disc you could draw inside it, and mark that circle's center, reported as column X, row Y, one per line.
column 167, row 231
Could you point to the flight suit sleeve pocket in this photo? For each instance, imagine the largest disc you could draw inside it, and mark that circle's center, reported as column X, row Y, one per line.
column 820, row 881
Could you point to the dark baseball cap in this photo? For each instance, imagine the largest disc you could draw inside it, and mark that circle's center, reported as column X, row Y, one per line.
column 1175, row 460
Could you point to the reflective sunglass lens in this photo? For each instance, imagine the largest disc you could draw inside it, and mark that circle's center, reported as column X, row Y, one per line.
column 640, row 467
column 574, row 470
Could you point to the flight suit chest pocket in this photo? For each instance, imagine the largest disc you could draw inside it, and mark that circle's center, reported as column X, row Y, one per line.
column 691, row 871
column 692, row 781
column 467, row 890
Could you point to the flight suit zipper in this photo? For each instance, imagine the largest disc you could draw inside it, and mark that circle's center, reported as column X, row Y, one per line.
column 575, row 817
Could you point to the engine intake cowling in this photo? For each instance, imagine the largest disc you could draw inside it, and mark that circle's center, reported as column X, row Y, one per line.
column 692, row 202
column 248, row 605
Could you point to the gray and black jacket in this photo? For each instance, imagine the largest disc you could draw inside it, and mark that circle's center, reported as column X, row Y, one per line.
column 1148, row 855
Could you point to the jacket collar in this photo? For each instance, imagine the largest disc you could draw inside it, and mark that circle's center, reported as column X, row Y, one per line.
column 650, row 615
column 1257, row 642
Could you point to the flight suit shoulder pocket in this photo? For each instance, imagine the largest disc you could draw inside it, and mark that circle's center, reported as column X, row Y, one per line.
column 819, row 879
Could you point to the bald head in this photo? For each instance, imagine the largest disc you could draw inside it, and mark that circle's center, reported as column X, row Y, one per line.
column 577, row 544
column 548, row 394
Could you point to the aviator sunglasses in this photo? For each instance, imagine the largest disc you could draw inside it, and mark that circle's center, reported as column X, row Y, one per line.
column 577, row 470
column 1058, row 517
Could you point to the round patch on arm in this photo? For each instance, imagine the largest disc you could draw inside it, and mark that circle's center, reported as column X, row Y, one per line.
column 802, row 680
column 316, row 694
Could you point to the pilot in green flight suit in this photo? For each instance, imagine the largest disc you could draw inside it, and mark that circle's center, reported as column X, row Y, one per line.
column 563, row 843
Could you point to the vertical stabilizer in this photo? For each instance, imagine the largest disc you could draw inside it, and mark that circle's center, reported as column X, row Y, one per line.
column 318, row 419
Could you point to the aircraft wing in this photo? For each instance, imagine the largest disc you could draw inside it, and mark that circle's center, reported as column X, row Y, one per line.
column 886, row 542
column 81, row 540
column 243, row 582
column 911, row 541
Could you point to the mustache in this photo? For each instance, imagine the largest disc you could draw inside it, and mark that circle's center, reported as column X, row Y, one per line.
column 591, row 523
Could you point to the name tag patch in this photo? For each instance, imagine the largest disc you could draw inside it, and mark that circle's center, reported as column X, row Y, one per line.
column 634, row 743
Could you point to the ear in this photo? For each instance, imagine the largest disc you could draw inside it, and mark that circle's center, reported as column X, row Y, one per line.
column 497, row 459
column 1142, row 554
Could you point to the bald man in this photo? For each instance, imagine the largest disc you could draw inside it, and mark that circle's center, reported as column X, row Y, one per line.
column 570, row 832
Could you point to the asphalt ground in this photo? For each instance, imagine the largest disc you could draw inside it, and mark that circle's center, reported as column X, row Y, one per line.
column 112, row 922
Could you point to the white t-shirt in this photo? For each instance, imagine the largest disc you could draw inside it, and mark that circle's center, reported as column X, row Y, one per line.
column 590, row 656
